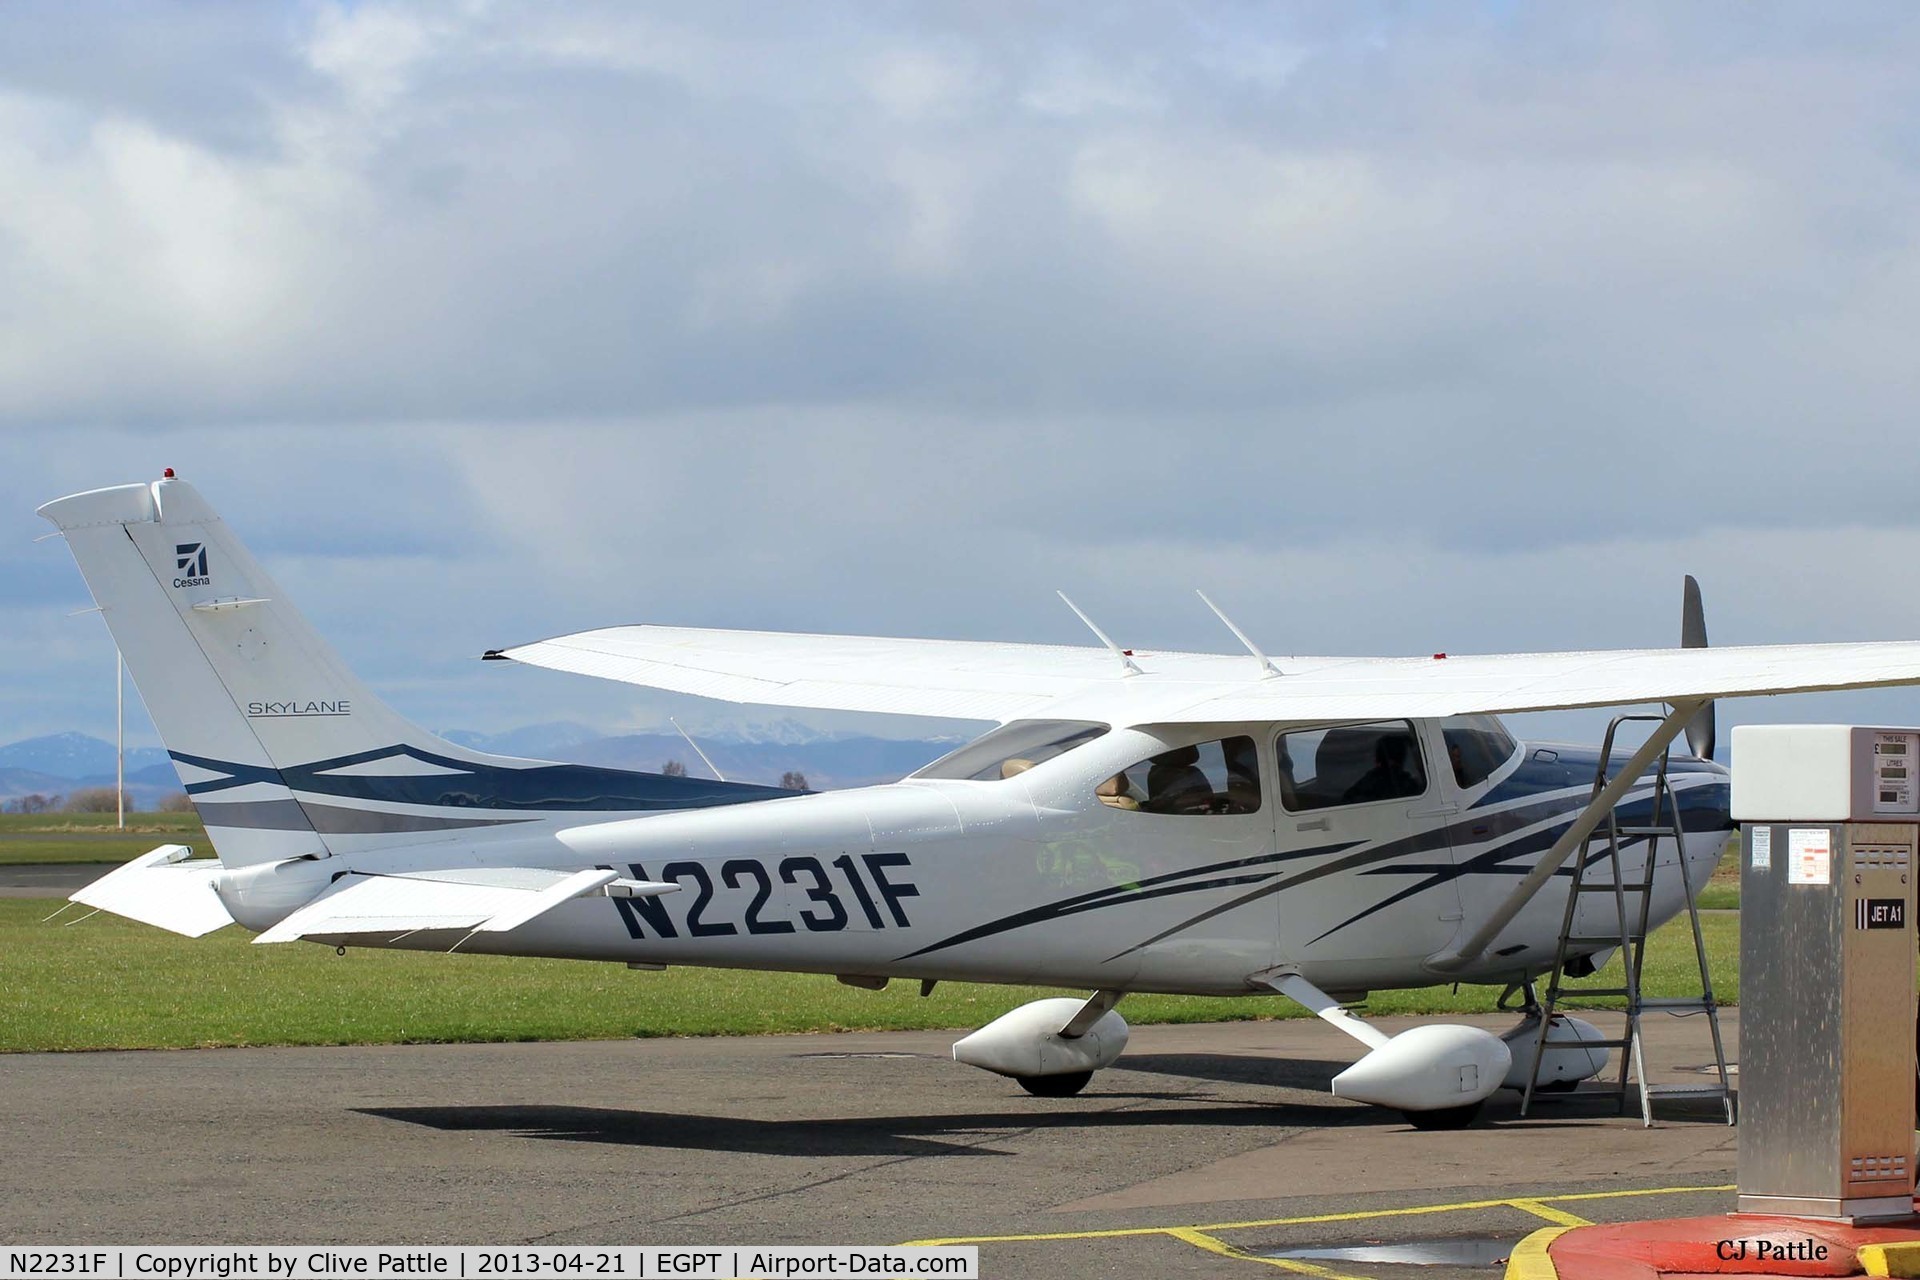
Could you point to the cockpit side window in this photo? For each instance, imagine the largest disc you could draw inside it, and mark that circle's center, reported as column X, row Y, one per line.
column 1350, row 764
column 1013, row 748
column 1476, row 747
column 1216, row 777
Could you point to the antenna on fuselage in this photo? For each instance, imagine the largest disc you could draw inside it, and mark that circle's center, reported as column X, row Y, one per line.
column 1126, row 659
column 696, row 748
column 1267, row 669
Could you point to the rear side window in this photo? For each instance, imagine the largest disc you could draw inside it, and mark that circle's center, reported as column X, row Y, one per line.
column 1211, row 778
column 1351, row 764
column 1012, row 749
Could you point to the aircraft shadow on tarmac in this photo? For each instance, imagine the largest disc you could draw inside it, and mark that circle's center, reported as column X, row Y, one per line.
column 1556, row 1109
column 916, row 1135
column 1311, row 1074
column 971, row 1133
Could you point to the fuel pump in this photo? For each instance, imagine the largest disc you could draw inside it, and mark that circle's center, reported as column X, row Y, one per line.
column 1830, row 819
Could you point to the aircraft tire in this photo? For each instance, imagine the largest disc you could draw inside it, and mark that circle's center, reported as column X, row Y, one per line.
column 1060, row 1086
column 1444, row 1117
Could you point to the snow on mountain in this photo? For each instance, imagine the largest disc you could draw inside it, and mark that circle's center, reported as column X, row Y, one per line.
column 534, row 741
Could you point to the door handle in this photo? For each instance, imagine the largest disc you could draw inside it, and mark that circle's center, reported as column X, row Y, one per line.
column 1317, row 824
column 1438, row 811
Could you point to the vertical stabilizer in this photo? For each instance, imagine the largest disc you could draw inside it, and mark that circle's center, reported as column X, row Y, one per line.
column 169, row 581
column 283, row 750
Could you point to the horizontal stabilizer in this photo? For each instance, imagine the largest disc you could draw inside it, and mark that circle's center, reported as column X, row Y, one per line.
column 163, row 889
column 472, row 899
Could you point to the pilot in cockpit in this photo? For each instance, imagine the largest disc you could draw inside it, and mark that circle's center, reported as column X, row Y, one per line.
column 1389, row 778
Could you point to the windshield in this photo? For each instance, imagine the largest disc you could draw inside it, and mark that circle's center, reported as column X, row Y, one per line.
column 1013, row 748
column 1476, row 746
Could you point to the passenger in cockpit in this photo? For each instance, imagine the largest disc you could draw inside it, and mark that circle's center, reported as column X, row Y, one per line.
column 1388, row 779
column 1115, row 793
column 1176, row 785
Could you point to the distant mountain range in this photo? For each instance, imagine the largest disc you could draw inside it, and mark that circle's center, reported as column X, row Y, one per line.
column 74, row 755
column 61, row 763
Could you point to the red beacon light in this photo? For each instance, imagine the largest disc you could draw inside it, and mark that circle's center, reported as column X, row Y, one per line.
column 166, row 473
column 1439, row 657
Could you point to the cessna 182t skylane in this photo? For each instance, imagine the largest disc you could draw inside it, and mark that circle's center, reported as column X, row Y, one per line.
column 1139, row 821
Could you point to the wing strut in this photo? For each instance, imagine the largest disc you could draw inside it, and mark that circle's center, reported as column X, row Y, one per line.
column 1590, row 817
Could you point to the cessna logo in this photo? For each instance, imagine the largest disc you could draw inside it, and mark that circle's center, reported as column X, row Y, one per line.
column 190, row 558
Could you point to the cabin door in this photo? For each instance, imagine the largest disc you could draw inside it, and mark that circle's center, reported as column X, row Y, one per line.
column 1363, row 816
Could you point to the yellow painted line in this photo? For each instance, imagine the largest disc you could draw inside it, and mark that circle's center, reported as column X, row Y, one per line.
column 1201, row 1240
column 1530, row 1260
column 1362, row 1215
column 1551, row 1214
column 1643, row 1191
column 1416, row 1210
column 1900, row 1259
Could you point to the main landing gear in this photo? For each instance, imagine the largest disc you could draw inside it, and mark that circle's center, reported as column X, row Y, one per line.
column 1437, row 1075
column 1060, row 1086
column 1050, row 1048
column 1445, row 1117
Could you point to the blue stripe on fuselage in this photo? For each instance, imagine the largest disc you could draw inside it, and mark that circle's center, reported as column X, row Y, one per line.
column 1704, row 807
column 1549, row 767
column 485, row 785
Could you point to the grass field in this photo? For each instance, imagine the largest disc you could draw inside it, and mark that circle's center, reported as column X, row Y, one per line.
column 109, row 984
column 93, row 837
column 12, row 824
column 1722, row 889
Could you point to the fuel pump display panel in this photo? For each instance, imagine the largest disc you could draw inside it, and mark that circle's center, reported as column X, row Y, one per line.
column 1893, row 754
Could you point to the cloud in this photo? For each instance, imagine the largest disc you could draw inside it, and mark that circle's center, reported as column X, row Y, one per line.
column 1393, row 327
column 509, row 211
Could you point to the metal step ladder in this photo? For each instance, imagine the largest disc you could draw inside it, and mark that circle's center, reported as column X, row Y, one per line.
column 1598, row 870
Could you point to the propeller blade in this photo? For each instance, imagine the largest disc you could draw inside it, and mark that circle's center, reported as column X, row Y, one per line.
column 1693, row 616
column 1693, row 635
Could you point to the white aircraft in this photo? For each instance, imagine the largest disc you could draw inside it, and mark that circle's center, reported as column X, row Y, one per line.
column 1139, row 821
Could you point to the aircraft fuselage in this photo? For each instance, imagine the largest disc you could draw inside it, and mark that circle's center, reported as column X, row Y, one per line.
column 1035, row 878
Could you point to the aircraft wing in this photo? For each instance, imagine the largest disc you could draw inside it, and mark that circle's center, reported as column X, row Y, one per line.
column 475, row 899
column 964, row 679
column 990, row 681
column 1379, row 688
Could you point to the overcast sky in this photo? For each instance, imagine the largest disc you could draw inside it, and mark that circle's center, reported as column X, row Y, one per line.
column 1397, row 328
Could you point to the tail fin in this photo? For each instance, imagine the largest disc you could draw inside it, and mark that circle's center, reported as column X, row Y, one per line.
column 283, row 750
